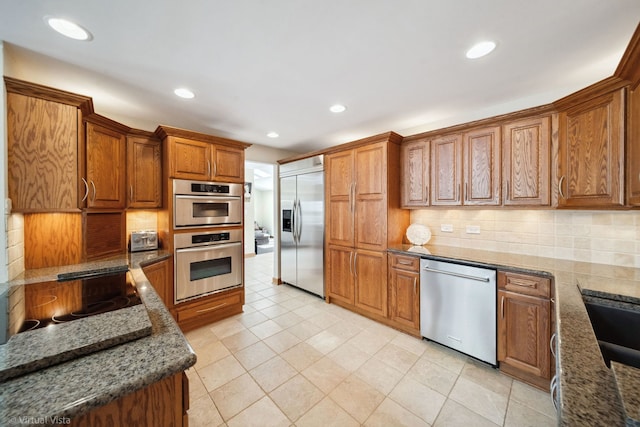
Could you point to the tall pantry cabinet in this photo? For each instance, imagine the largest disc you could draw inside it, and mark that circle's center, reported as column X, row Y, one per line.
column 363, row 216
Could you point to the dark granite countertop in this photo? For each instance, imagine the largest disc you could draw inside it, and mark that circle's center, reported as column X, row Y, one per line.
column 77, row 386
column 589, row 392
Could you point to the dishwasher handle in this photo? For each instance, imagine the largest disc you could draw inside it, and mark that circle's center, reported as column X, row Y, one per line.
column 453, row 273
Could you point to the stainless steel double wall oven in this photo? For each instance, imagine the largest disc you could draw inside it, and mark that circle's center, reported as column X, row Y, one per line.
column 208, row 258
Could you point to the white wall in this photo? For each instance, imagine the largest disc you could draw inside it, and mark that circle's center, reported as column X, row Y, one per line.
column 263, row 208
column 249, row 218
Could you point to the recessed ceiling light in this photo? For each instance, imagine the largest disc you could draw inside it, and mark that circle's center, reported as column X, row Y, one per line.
column 481, row 49
column 68, row 28
column 184, row 93
column 273, row 134
column 337, row 108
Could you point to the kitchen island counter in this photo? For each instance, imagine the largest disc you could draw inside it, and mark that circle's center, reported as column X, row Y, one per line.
column 589, row 392
column 73, row 388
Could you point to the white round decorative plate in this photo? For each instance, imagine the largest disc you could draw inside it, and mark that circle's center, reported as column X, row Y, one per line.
column 418, row 234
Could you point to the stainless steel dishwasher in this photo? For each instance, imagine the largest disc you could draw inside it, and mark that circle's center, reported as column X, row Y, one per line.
column 458, row 307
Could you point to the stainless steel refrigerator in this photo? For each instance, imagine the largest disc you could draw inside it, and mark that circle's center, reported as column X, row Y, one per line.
column 302, row 224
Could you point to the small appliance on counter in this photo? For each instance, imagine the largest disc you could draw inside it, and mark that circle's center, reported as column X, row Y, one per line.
column 143, row 241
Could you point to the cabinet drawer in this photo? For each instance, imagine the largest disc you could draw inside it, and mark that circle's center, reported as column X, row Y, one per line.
column 404, row 262
column 525, row 284
column 196, row 309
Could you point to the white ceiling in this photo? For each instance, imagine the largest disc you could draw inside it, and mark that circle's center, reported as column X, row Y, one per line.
column 260, row 66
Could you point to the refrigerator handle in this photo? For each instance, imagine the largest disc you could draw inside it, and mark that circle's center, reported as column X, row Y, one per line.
column 299, row 221
column 294, row 222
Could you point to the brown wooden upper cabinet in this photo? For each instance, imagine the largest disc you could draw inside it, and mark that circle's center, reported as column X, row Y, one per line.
column 633, row 149
column 446, row 170
column 465, row 168
column 144, row 172
column 414, row 173
column 106, row 167
column 43, row 155
column 526, row 169
column 200, row 160
column 591, row 152
column 357, row 197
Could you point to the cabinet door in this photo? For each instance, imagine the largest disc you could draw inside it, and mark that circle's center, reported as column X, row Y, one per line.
column 633, row 149
column 228, row 164
column 525, row 162
column 370, row 273
column 415, row 174
column 42, row 161
column 370, row 188
column 524, row 331
column 404, row 301
column 340, row 274
column 106, row 168
column 339, row 198
column 160, row 276
column 481, row 164
column 591, row 155
column 446, row 170
column 189, row 159
column 144, row 172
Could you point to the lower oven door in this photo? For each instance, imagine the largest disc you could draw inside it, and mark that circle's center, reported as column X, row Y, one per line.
column 205, row 269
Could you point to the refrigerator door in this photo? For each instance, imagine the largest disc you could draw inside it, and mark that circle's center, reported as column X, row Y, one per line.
column 287, row 230
column 310, row 226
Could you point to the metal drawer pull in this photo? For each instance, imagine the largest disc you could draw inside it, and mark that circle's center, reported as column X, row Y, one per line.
column 524, row 283
column 553, row 389
column 560, row 187
column 464, row 276
column 554, row 337
column 204, row 310
column 502, row 306
column 404, row 262
column 86, row 191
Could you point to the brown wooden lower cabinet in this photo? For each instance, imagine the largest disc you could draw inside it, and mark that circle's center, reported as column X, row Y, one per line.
column 404, row 292
column 202, row 311
column 524, row 328
column 160, row 275
column 161, row 404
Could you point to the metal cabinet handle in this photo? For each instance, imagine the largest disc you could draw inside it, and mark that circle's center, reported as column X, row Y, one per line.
column 502, row 306
column 215, row 168
column 353, row 200
column 466, row 191
column 355, row 265
column 299, row 221
column 560, row 187
column 204, row 310
column 131, row 193
column 86, row 190
column 415, row 282
column 554, row 392
column 93, row 186
column 209, row 168
column 351, row 263
column 507, row 193
column 552, row 346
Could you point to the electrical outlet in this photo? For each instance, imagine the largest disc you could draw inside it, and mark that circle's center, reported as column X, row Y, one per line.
column 447, row 228
column 473, row 229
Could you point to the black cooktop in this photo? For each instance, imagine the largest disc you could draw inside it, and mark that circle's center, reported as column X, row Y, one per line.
column 77, row 296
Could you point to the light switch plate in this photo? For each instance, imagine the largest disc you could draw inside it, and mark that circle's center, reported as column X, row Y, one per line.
column 447, row 228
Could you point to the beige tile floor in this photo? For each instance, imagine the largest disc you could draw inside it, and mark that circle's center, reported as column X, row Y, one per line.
column 292, row 360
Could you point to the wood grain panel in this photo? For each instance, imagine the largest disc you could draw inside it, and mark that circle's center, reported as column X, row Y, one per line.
column 106, row 167
column 160, row 275
column 339, row 271
column 446, row 170
column 592, row 152
column 371, row 171
column 144, row 172
column 371, row 197
column 52, row 240
column 339, row 217
column 42, row 154
column 151, row 406
column 371, row 281
column 633, row 149
column 104, row 233
column 526, row 162
column 404, row 289
column 414, row 174
column 189, row 159
column 481, row 164
column 228, row 164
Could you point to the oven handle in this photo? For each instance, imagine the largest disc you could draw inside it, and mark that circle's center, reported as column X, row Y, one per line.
column 207, row 199
column 209, row 247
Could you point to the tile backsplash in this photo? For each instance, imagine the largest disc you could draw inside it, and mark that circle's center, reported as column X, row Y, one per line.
column 602, row 237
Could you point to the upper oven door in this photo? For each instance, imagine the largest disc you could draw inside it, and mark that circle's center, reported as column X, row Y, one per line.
column 206, row 269
column 195, row 211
